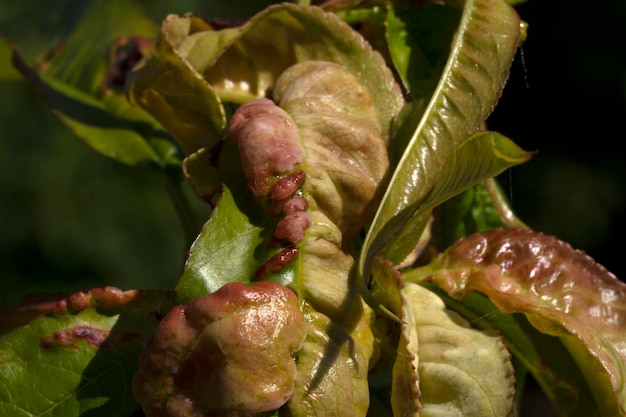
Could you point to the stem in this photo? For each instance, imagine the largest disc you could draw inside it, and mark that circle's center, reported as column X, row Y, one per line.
column 182, row 207
column 502, row 207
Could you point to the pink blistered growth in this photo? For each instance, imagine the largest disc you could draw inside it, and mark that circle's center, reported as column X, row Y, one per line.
column 229, row 353
column 527, row 271
column 292, row 226
column 69, row 338
column 267, row 139
column 105, row 298
column 268, row 142
column 277, row 262
column 287, row 187
column 247, row 111
column 296, row 204
column 284, row 195
column 72, row 338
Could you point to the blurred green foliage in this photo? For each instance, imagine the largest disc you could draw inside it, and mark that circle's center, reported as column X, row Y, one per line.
column 565, row 99
column 71, row 219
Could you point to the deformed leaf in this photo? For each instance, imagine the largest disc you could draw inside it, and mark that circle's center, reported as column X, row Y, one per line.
column 562, row 292
column 345, row 150
column 260, row 59
column 333, row 363
column 227, row 353
column 202, row 173
column 277, row 153
column 332, row 369
column 80, row 358
column 168, row 88
column 543, row 356
column 462, row 371
column 405, row 383
column 195, row 67
column 318, row 160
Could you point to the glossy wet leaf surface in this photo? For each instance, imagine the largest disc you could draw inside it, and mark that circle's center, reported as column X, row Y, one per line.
column 470, row 84
column 562, row 292
column 229, row 249
column 226, row 353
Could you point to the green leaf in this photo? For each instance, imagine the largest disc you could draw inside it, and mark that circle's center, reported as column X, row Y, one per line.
column 419, row 40
column 481, row 156
column 471, row 82
column 48, row 24
column 132, row 143
column 82, row 62
column 562, row 292
column 230, row 248
column 7, row 71
column 80, row 359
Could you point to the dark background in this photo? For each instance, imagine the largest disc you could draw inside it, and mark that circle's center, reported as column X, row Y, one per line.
column 566, row 100
column 71, row 219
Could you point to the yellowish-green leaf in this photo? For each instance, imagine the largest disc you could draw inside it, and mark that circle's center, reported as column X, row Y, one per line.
column 471, row 83
column 462, row 371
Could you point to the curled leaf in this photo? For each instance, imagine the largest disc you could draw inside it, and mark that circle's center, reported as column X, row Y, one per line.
column 462, row 371
column 472, row 80
column 195, row 67
column 562, row 291
column 227, row 353
column 332, row 368
column 166, row 87
column 345, row 150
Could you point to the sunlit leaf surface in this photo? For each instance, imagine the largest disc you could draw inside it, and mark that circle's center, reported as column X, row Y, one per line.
column 226, row 353
column 462, row 371
column 228, row 249
column 79, row 359
column 562, row 292
column 204, row 66
column 472, row 80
